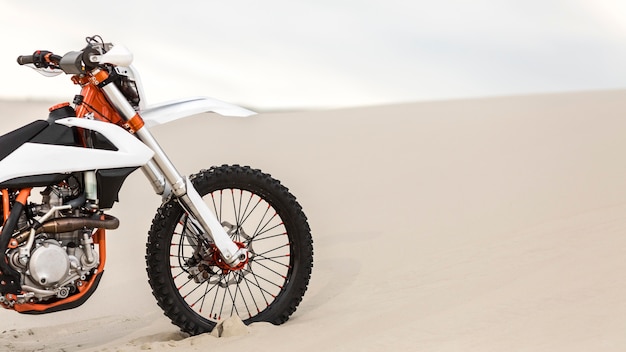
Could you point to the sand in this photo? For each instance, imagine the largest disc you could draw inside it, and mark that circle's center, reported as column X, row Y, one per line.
column 473, row 225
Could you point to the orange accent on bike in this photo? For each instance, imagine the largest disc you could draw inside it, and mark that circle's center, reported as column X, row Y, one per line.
column 85, row 287
column 22, row 197
column 29, row 307
column 99, row 76
column 100, row 239
column 13, row 243
column 216, row 259
column 10, row 298
column 58, row 106
column 80, row 79
column 5, row 204
column 95, row 102
column 134, row 124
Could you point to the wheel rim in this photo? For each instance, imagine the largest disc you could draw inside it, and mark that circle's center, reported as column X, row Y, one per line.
column 212, row 290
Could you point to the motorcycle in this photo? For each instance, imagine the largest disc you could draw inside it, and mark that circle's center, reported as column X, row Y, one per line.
column 228, row 240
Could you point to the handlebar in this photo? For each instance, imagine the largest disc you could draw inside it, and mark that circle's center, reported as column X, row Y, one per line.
column 40, row 58
column 25, row 59
column 73, row 62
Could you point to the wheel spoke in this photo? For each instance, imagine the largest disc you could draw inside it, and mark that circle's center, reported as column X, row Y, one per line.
column 223, row 300
column 267, row 230
column 244, row 217
column 256, row 284
column 251, row 211
column 256, row 305
column 243, row 298
column 273, row 249
column 233, row 298
column 272, row 259
column 249, row 270
column 272, row 270
column 236, row 207
column 261, row 221
column 190, row 292
column 214, row 301
column 206, row 291
column 179, row 274
column 257, row 239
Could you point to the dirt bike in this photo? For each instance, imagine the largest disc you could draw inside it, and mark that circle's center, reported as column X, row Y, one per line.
column 229, row 240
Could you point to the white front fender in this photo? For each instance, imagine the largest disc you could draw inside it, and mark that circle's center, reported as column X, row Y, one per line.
column 166, row 112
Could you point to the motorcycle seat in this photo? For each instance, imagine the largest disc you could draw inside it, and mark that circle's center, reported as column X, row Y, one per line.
column 14, row 139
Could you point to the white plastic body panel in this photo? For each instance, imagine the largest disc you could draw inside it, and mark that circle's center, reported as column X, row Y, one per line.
column 170, row 111
column 118, row 55
column 38, row 159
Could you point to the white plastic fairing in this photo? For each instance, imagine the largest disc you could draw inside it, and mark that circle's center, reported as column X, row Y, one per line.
column 45, row 71
column 37, row 159
column 118, row 55
column 166, row 112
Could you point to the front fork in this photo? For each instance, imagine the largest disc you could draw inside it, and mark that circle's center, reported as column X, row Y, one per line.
column 165, row 179
column 201, row 214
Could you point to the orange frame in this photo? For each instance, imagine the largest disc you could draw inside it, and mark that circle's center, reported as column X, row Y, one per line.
column 5, row 204
column 94, row 101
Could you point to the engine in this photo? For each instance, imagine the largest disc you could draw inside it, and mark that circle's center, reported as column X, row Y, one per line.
column 54, row 268
column 55, row 257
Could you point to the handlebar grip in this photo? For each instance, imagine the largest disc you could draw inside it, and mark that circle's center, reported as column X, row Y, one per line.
column 25, row 59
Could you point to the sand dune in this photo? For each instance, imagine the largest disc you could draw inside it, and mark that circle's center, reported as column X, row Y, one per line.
column 476, row 225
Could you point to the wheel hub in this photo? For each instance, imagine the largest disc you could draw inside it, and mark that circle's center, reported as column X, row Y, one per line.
column 216, row 259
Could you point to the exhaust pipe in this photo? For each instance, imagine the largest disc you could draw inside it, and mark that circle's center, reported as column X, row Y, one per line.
column 71, row 224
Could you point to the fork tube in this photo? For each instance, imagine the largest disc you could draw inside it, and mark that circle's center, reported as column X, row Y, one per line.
column 181, row 186
column 158, row 180
column 168, row 170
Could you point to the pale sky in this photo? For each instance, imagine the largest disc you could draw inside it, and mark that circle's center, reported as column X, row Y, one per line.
column 280, row 54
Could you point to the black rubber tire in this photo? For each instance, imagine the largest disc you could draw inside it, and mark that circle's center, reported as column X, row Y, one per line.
column 172, row 284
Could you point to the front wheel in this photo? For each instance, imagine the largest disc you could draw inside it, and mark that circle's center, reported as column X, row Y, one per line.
column 195, row 289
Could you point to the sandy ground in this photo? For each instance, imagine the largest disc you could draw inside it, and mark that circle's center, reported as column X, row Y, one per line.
column 477, row 225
